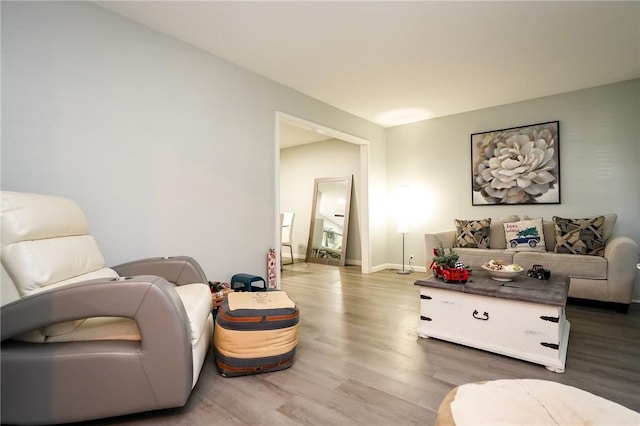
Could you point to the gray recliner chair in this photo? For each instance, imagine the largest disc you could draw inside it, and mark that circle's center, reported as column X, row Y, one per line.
column 81, row 341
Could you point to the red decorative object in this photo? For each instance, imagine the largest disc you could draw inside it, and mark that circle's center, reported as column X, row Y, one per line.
column 457, row 273
column 447, row 274
column 271, row 268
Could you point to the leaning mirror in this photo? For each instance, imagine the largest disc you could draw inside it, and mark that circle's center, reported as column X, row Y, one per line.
column 329, row 221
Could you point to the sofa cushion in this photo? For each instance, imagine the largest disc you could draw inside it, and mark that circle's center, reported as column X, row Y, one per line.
column 44, row 241
column 580, row 236
column 99, row 328
column 27, row 217
column 525, row 235
column 477, row 257
column 196, row 299
column 585, row 288
column 496, row 231
column 578, row 266
column 609, row 222
column 9, row 291
column 550, row 230
column 473, row 233
column 40, row 263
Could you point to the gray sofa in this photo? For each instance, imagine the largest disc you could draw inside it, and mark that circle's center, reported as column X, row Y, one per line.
column 609, row 278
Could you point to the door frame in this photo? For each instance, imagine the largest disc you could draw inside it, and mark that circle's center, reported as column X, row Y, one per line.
column 362, row 192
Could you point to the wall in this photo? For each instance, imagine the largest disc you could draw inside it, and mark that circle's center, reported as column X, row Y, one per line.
column 161, row 142
column 299, row 166
column 168, row 149
column 599, row 158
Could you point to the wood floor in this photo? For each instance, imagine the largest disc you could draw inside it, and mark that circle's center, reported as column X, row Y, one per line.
column 360, row 362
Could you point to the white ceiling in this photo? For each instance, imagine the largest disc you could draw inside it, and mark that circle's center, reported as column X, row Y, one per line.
column 397, row 62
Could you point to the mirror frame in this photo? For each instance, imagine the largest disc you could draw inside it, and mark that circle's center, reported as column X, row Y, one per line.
column 348, row 180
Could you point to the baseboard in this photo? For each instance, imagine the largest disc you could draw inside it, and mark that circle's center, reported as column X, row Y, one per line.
column 386, row 266
column 380, row 268
column 296, row 256
column 407, row 267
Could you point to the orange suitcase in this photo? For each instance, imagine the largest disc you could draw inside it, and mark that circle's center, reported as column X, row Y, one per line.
column 255, row 332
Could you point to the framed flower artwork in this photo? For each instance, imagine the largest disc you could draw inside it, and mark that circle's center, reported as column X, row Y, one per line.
column 519, row 165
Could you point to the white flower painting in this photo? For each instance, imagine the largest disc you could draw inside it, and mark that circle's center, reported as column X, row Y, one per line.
column 520, row 165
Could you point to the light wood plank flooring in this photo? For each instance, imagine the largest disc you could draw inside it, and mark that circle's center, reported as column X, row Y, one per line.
column 360, row 362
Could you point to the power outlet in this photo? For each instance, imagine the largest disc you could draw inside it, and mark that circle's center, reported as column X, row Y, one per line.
column 411, row 260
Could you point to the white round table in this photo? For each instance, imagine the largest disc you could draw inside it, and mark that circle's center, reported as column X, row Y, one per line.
column 529, row 402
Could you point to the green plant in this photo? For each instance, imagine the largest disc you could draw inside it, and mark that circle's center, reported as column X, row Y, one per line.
column 445, row 258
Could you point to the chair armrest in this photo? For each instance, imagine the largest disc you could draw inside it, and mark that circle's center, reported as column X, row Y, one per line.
column 178, row 270
column 433, row 240
column 150, row 300
column 162, row 361
column 622, row 255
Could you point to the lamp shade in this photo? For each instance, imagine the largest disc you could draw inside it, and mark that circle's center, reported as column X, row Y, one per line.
column 402, row 227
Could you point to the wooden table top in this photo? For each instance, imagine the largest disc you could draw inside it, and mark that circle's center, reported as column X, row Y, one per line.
column 552, row 292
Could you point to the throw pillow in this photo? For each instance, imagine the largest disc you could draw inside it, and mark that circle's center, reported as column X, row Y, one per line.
column 496, row 232
column 580, row 236
column 473, row 233
column 549, row 232
column 525, row 235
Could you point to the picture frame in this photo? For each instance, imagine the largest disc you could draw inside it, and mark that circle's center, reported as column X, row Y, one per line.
column 517, row 165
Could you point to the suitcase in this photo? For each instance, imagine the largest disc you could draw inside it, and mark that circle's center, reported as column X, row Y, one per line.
column 255, row 332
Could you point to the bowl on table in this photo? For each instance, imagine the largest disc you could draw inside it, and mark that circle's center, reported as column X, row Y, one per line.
column 502, row 274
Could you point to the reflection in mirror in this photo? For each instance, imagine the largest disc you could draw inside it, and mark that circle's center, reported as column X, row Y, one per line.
column 329, row 221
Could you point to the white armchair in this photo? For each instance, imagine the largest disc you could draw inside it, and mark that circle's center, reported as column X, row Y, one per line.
column 81, row 341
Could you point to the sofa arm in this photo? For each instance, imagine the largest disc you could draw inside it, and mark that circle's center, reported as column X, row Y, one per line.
column 150, row 300
column 178, row 270
column 445, row 239
column 161, row 363
column 622, row 255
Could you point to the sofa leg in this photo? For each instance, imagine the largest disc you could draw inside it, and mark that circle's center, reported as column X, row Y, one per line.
column 621, row 308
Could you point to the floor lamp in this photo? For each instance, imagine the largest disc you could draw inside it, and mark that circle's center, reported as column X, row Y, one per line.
column 402, row 204
column 403, row 271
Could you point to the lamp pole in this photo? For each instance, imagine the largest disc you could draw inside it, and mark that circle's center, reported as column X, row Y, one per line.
column 403, row 208
column 403, row 271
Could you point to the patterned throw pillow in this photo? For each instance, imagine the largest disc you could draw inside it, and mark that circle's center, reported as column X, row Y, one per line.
column 473, row 233
column 580, row 236
column 525, row 235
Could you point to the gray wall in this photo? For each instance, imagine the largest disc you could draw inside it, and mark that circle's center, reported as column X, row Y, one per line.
column 168, row 149
column 299, row 166
column 599, row 162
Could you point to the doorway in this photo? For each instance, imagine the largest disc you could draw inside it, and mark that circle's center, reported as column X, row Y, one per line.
column 309, row 132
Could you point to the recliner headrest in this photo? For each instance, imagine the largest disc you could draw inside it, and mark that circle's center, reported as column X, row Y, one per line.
column 27, row 217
